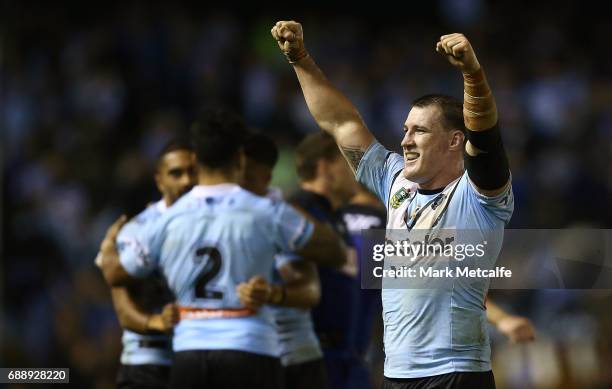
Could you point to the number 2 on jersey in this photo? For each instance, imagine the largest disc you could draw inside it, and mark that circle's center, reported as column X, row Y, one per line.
column 210, row 270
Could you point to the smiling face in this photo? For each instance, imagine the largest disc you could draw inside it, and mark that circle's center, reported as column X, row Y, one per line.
column 431, row 152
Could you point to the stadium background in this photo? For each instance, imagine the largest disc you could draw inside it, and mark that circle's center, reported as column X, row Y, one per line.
column 90, row 92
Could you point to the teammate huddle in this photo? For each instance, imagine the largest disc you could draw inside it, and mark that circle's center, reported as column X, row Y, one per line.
column 236, row 269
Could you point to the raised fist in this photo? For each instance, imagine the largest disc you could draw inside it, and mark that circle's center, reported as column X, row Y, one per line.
column 459, row 52
column 290, row 39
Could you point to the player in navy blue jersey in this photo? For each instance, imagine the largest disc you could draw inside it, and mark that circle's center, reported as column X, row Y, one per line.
column 363, row 212
column 214, row 238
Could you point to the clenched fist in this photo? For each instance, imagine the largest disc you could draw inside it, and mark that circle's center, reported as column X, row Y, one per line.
column 164, row 321
column 170, row 316
column 459, row 52
column 290, row 39
column 258, row 291
column 255, row 293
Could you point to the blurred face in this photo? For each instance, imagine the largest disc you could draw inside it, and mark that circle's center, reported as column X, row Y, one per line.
column 257, row 177
column 341, row 179
column 428, row 148
column 176, row 174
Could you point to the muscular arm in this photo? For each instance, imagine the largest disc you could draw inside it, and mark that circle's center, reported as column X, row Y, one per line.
column 332, row 111
column 485, row 157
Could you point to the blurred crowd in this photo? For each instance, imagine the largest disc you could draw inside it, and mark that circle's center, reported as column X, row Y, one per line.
column 90, row 93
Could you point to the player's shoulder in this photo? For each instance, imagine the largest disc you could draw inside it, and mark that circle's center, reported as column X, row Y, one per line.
column 201, row 197
column 229, row 197
column 377, row 154
column 263, row 204
column 500, row 206
column 151, row 212
column 466, row 185
column 275, row 193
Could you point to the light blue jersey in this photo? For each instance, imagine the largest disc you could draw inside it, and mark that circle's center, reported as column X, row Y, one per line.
column 297, row 339
column 214, row 238
column 435, row 331
column 139, row 349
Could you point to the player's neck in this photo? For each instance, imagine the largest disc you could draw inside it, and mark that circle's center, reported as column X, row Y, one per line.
column 442, row 179
column 217, row 176
column 168, row 201
column 336, row 201
column 318, row 187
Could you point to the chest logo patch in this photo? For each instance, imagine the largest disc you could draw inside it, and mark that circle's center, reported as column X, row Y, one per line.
column 399, row 197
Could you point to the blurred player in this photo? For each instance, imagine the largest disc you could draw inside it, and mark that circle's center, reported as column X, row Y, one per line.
column 453, row 175
column 363, row 212
column 301, row 354
column 326, row 183
column 147, row 340
column 215, row 237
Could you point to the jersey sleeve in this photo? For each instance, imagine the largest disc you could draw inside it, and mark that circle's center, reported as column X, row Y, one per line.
column 490, row 208
column 378, row 168
column 292, row 230
column 138, row 245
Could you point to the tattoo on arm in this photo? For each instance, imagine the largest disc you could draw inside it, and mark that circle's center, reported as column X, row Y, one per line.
column 353, row 155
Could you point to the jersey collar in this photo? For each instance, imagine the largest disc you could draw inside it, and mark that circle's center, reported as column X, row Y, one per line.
column 214, row 190
column 430, row 191
column 161, row 206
